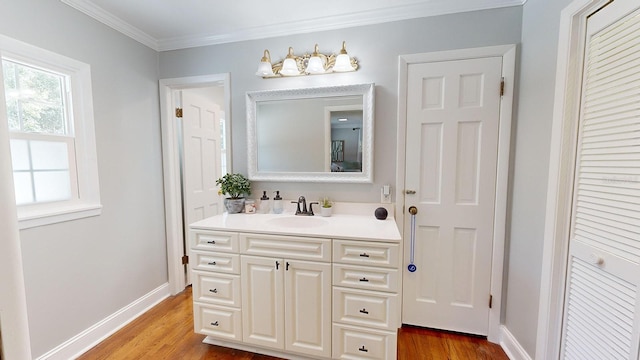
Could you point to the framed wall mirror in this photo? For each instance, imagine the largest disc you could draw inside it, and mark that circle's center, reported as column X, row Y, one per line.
column 322, row 134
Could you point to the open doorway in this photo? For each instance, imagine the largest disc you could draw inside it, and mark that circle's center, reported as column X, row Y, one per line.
column 196, row 96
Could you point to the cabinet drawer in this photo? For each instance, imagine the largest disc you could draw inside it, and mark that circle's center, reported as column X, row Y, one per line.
column 366, row 308
column 290, row 247
column 219, row 322
column 220, row 289
column 219, row 262
column 366, row 253
column 214, row 241
column 358, row 343
column 363, row 277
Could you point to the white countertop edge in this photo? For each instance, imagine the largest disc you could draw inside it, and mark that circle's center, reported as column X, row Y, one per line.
column 346, row 225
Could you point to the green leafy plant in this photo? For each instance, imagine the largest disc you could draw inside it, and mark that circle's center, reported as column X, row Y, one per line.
column 234, row 185
column 325, row 202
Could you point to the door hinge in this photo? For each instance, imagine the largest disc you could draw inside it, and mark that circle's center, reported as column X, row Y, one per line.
column 179, row 112
column 185, row 259
column 490, row 301
column 502, row 87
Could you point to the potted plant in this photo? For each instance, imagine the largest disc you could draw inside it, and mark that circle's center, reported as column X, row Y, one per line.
column 325, row 206
column 235, row 186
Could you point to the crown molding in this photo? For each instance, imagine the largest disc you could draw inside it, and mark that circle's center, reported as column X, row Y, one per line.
column 362, row 18
column 89, row 8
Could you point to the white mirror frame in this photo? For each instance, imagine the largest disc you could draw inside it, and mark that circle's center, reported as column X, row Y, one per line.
column 366, row 176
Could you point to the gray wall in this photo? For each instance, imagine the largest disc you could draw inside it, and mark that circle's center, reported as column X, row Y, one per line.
column 377, row 49
column 79, row 272
column 530, row 166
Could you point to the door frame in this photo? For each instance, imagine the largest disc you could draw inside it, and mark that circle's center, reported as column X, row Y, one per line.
column 564, row 129
column 508, row 54
column 171, row 166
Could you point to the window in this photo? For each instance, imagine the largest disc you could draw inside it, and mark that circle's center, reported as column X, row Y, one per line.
column 49, row 114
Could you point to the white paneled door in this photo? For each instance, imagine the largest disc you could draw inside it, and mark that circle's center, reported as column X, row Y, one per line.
column 453, row 113
column 602, row 311
column 201, row 160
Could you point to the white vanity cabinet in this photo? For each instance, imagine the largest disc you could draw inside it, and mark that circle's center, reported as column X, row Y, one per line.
column 287, row 300
column 366, row 302
column 215, row 267
column 299, row 293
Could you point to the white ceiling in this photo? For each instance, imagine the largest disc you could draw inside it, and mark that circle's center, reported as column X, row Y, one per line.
column 176, row 24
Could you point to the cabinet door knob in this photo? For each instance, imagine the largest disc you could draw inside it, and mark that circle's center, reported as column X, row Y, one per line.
column 215, row 323
column 363, row 349
column 364, row 311
column 215, row 291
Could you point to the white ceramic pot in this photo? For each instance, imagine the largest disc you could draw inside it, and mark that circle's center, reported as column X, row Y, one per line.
column 325, row 211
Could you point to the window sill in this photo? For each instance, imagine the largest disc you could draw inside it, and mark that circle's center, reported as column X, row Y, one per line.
column 45, row 215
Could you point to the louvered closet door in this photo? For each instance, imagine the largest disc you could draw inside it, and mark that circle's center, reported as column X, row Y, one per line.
column 602, row 312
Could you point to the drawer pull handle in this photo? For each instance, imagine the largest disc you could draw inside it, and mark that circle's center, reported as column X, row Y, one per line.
column 363, row 349
column 364, row 255
column 215, row 323
column 364, row 279
column 211, row 242
column 364, row 311
column 215, row 291
column 212, row 263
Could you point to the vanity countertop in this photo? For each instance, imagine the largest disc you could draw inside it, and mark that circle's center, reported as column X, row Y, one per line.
column 343, row 226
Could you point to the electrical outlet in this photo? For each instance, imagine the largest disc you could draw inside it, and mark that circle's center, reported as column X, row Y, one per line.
column 385, row 194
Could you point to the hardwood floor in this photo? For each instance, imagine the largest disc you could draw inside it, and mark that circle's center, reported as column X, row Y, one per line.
column 166, row 332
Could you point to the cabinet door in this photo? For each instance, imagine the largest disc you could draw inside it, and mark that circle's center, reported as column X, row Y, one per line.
column 262, row 302
column 308, row 307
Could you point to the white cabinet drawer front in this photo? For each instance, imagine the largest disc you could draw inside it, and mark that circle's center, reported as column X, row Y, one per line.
column 219, row 322
column 286, row 247
column 366, row 253
column 214, row 241
column 217, row 289
column 357, row 343
column 219, row 262
column 366, row 308
column 364, row 277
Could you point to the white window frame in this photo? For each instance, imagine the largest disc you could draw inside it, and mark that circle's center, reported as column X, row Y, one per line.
column 87, row 202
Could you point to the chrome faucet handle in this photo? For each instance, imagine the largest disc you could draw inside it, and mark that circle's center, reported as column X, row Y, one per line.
column 311, row 207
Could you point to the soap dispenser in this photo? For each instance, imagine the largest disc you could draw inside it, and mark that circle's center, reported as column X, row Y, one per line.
column 264, row 203
column 277, row 203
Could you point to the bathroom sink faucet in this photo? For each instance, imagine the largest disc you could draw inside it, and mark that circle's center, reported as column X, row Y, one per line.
column 303, row 211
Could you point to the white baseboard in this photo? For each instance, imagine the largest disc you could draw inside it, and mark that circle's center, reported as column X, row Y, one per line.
column 511, row 346
column 90, row 337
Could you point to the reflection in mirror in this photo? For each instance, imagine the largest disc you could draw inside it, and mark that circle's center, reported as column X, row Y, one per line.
column 315, row 134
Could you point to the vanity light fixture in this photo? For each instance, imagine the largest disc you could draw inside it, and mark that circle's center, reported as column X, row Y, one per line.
column 265, row 69
column 314, row 64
